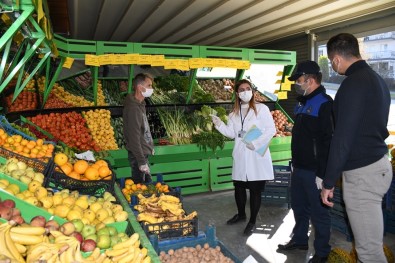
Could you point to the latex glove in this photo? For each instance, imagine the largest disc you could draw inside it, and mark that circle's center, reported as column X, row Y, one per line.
column 216, row 120
column 144, row 168
column 250, row 146
column 153, row 151
column 318, row 182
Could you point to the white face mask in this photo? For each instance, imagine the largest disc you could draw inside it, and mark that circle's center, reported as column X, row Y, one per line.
column 245, row 96
column 147, row 93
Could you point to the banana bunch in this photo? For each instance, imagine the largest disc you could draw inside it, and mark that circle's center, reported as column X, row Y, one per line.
column 129, row 251
column 7, row 245
column 165, row 208
column 46, row 252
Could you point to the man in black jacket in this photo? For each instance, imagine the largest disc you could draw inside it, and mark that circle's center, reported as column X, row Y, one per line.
column 311, row 136
column 358, row 150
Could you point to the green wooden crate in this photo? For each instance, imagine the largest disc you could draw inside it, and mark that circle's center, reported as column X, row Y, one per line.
column 221, row 173
column 191, row 176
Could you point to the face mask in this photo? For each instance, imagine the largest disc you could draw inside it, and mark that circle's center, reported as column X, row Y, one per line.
column 147, row 93
column 337, row 67
column 245, row 96
column 299, row 89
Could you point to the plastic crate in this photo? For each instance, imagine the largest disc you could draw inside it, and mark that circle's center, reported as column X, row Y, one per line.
column 59, row 180
column 209, row 237
column 37, row 164
column 173, row 229
column 4, row 124
column 390, row 197
column 279, row 189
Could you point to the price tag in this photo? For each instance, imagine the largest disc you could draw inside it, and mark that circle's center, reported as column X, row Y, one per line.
column 68, row 62
column 282, row 95
column 92, row 60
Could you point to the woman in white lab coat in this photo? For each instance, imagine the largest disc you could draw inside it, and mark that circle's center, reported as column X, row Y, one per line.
column 252, row 163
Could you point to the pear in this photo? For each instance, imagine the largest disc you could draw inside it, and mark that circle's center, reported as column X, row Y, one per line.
column 21, row 166
column 33, row 185
column 25, row 179
column 47, row 201
column 40, row 192
column 121, row 216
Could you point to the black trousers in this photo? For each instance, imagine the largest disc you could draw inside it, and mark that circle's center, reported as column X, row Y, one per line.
column 256, row 188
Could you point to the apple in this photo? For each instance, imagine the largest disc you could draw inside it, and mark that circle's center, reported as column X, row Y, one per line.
column 103, row 241
column 114, row 240
column 88, row 245
column 88, row 230
column 112, row 230
column 52, row 225
column 8, row 203
column 78, row 236
column 16, row 212
column 38, row 221
column 78, row 224
column 67, row 228
column 93, row 237
column 6, row 212
column 103, row 231
column 18, row 219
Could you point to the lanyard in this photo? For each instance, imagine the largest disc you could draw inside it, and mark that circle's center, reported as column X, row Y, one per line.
column 243, row 119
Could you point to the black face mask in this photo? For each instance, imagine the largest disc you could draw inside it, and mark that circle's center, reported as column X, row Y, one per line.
column 299, row 89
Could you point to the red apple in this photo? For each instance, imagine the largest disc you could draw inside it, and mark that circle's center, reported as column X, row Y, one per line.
column 52, row 225
column 78, row 236
column 38, row 221
column 6, row 212
column 9, row 203
column 16, row 212
column 18, row 219
column 88, row 245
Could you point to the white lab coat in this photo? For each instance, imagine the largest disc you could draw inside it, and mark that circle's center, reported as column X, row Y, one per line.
column 248, row 165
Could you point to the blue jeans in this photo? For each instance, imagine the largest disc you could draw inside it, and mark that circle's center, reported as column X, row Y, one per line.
column 306, row 204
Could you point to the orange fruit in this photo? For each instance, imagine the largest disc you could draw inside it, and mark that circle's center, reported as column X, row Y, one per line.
column 67, row 168
column 96, row 166
column 158, row 185
column 143, row 187
column 39, row 142
column 81, row 166
column 101, row 163
column 91, row 173
column 24, row 142
column 129, row 182
column 60, row 159
column 104, row 171
column 74, row 175
column 2, row 132
column 31, row 144
column 26, row 150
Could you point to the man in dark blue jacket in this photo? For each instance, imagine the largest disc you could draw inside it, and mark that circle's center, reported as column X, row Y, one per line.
column 311, row 136
column 358, row 150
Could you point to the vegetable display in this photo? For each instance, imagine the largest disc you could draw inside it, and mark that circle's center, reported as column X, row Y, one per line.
column 283, row 126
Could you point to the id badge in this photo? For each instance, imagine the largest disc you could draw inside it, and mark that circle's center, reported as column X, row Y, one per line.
column 241, row 134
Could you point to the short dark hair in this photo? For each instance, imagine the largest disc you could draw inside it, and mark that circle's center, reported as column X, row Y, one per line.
column 140, row 78
column 343, row 44
column 317, row 77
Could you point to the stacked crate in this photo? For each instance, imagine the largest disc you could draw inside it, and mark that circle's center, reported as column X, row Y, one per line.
column 389, row 210
column 278, row 190
column 339, row 219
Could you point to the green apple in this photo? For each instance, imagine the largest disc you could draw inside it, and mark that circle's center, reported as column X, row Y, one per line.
column 114, row 240
column 93, row 237
column 103, row 241
column 78, row 224
column 88, row 230
column 112, row 230
column 103, row 231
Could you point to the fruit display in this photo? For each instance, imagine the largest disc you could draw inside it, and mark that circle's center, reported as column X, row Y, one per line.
column 131, row 189
column 283, row 126
column 37, row 243
column 8, row 211
column 164, row 208
column 26, row 100
column 99, row 123
column 221, row 89
column 198, row 253
column 69, row 127
column 20, row 171
column 27, row 148
column 83, row 170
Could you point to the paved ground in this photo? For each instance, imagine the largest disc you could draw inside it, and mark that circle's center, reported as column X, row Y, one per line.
column 274, row 225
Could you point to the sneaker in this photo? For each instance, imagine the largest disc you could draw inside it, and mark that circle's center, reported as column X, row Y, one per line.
column 291, row 245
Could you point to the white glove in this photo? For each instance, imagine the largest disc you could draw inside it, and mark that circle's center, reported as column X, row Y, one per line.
column 144, row 168
column 250, row 146
column 216, row 120
column 153, row 151
column 318, row 182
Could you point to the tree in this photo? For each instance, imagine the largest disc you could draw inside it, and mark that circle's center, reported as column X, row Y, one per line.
column 323, row 62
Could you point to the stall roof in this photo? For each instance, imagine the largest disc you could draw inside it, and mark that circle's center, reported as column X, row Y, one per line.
column 236, row 23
